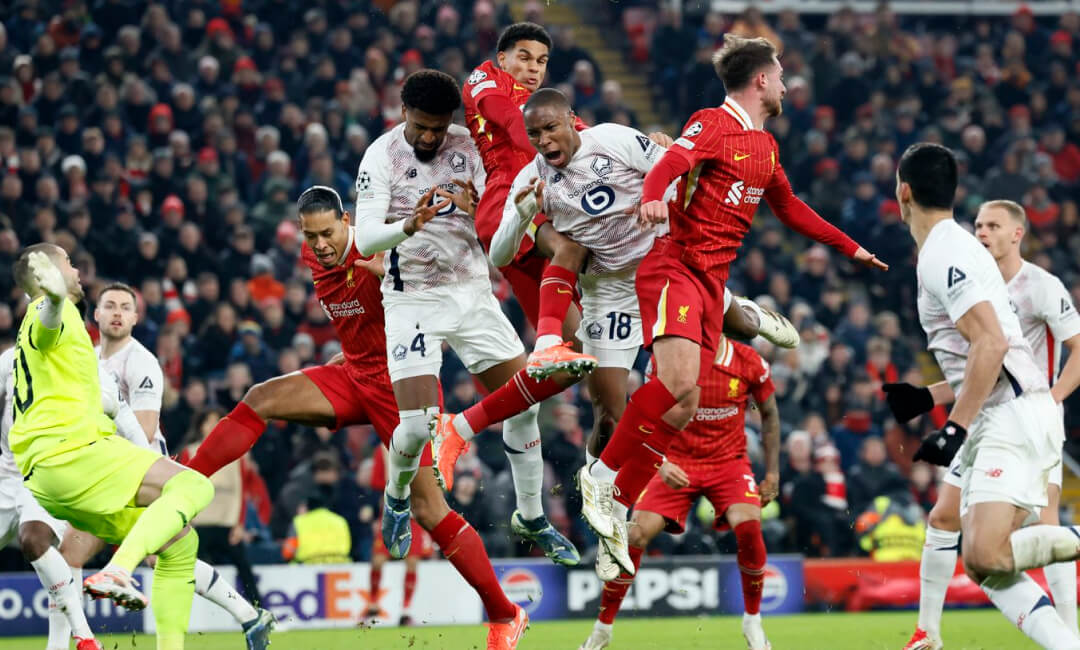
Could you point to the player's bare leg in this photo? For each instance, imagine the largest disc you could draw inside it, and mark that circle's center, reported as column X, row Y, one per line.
column 996, row 552
column 521, row 439
column 644, row 527
column 607, row 388
column 745, row 521
column 36, row 540
column 938, row 565
column 557, row 288
column 293, row 397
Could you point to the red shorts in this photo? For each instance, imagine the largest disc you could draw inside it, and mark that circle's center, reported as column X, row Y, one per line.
column 678, row 300
column 723, row 485
column 361, row 397
column 422, row 547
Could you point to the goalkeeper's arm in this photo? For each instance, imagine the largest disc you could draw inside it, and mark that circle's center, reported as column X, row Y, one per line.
column 49, row 311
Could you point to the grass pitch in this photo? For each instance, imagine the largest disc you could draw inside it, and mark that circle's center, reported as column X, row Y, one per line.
column 983, row 629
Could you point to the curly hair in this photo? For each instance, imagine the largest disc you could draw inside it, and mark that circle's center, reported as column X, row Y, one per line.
column 522, row 32
column 431, row 91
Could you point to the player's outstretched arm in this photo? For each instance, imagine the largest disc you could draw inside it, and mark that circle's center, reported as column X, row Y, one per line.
column 497, row 108
column 523, row 203
column 49, row 311
column 770, row 439
column 1070, row 374
column 654, row 209
column 907, row 401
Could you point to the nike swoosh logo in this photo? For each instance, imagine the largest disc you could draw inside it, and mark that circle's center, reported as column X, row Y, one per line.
column 566, row 291
column 741, row 156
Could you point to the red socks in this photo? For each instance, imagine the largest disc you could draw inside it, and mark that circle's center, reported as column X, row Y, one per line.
column 636, row 473
column 642, row 419
column 557, row 288
column 410, row 587
column 751, row 558
column 518, row 394
column 231, row 438
column 464, row 549
column 615, row 591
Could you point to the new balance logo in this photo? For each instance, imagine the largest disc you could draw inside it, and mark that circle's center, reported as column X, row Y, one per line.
column 1065, row 306
column 955, row 276
column 146, row 383
column 734, row 195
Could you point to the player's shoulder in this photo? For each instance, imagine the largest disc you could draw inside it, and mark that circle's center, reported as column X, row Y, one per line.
column 458, row 136
column 483, row 77
column 1040, row 277
column 748, row 359
column 611, row 129
column 714, row 118
column 142, row 353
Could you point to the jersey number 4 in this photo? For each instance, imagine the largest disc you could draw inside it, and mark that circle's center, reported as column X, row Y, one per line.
column 23, row 377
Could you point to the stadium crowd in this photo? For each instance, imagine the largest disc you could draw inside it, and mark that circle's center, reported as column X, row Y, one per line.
column 163, row 144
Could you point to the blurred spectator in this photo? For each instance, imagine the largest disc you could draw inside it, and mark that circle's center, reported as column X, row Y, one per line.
column 873, row 476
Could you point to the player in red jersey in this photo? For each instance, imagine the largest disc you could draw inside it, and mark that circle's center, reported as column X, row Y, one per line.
column 709, row 459
column 494, row 95
column 355, row 391
column 730, row 163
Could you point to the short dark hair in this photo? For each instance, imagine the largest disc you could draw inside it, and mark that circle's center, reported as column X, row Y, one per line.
column 740, row 59
column 320, row 198
column 120, row 286
column 522, row 32
column 24, row 277
column 930, row 170
column 547, row 97
column 431, row 91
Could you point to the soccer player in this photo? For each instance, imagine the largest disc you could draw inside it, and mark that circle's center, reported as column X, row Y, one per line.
column 135, row 372
column 82, row 473
column 1002, row 397
column 437, row 289
column 1049, row 321
column 356, row 390
column 494, row 95
column 709, row 459
column 726, row 163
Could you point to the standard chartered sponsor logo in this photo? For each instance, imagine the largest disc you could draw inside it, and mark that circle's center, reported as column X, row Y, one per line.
column 342, row 309
column 714, row 414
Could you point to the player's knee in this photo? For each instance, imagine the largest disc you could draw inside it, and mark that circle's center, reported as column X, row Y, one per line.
column 259, row 398
column 944, row 519
column 637, row 536
column 983, row 559
column 569, row 254
column 680, row 415
column 34, row 539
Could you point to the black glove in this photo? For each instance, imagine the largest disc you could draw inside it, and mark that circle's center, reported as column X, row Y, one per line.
column 907, row 401
column 940, row 446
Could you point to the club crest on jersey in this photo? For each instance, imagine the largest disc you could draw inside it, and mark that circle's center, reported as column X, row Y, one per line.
column 477, row 76
column 684, row 311
column 399, row 352
column 457, row 161
column 601, row 165
column 595, row 330
column 733, row 388
column 692, row 130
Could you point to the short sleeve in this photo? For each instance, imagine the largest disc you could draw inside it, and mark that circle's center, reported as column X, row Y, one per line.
column 480, row 84
column 145, row 383
column 1058, row 311
column 700, row 138
column 633, row 147
column 952, row 278
column 762, row 387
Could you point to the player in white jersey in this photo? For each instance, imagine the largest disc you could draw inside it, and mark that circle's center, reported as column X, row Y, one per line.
column 136, row 379
column 1048, row 319
column 1002, row 398
column 416, row 192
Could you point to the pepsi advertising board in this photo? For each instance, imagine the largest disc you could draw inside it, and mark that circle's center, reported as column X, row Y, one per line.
column 538, row 586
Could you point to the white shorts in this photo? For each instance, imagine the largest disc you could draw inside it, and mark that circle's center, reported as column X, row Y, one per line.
column 1011, row 452
column 610, row 327
column 468, row 317
column 18, row 506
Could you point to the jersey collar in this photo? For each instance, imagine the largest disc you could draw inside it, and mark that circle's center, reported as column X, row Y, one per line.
column 347, row 248
column 732, row 108
column 727, row 352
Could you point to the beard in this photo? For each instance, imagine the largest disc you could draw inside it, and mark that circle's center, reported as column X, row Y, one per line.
column 774, row 107
column 425, row 155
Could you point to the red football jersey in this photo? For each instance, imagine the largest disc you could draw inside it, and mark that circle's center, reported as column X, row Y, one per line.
column 352, row 299
column 502, row 160
column 717, row 431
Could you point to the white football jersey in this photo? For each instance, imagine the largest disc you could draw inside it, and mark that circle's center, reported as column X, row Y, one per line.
column 955, row 272
column 592, row 199
column 390, row 182
column 138, row 374
column 1046, row 314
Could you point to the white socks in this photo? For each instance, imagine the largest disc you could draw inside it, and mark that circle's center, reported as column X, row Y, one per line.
column 546, row 341
column 64, row 585
column 935, row 573
column 1061, row 578
column 211, row 586
column 412, row 433
column 1040, row 545
column 464, row 429
column 602, row 472
column 1025, row 604
column 521, row 439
